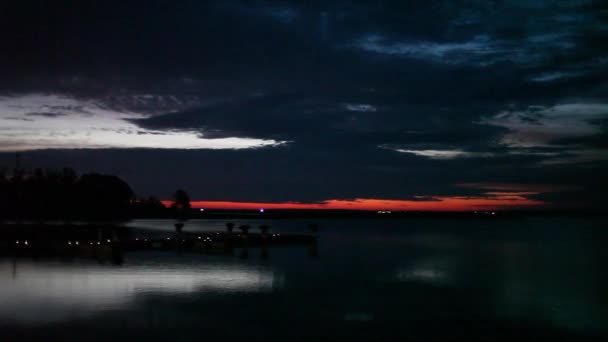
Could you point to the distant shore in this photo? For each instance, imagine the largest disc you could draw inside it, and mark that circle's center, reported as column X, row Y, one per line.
column 306, row 214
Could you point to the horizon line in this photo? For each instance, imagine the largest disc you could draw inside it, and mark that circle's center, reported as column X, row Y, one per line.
column 441, row 203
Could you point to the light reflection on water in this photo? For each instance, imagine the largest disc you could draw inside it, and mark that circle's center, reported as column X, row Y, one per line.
column 432, row 272
column 39, row 292
column 202, row 225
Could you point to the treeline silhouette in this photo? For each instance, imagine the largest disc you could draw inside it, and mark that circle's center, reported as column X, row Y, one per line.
column 62, row 194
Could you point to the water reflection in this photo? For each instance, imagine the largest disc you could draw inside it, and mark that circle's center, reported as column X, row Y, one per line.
column 375, row 280
column 38, row 292
column 558, row 281
column 432, row 271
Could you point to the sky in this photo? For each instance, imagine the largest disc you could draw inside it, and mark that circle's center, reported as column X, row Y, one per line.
column 401, row 105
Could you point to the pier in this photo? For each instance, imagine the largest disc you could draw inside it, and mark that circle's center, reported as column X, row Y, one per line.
column 108, row 240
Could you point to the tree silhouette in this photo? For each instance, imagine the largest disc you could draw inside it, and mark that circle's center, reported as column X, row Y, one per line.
column 63, row 194
column 181, row 204
column 181, row 200
column 41, row 194
column 103, row 193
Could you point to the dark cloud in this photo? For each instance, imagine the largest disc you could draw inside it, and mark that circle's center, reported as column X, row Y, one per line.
column 385, row 99
column 46, row 115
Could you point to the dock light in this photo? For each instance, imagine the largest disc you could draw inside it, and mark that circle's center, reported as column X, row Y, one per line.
column 199, row 237
column 25, row 243
column 261, row 210
column 493, row 213
column 90, row 243
column 17, row 242
column 108, row 240
column 168, row 238
column 70, row 243
column 76, row 243
column 136, row 239
column 202, row 209
column 99, row 243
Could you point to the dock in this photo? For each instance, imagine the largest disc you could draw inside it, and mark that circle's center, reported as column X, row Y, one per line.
column 114, row 241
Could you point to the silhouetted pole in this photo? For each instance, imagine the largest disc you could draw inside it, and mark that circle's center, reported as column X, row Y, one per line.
column 182, row 207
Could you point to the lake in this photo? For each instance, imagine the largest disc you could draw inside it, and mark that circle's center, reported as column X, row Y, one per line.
column 366, row 280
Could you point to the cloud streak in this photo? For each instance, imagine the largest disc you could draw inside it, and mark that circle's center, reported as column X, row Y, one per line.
column 63, row 122
column 446, row 154
column 559, row 129
column 445, row 52
column 540, row 126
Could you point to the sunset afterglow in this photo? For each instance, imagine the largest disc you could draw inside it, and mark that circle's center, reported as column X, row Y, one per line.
column 456, row 203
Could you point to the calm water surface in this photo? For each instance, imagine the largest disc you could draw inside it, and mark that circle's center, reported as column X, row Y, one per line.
column 415, row 279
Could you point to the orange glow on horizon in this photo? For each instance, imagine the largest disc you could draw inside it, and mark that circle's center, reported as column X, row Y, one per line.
column 495, row 201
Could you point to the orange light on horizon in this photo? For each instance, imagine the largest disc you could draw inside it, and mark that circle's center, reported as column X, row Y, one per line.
column 495, row 201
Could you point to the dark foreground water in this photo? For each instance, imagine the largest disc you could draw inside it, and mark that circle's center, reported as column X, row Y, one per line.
column 368, row 280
